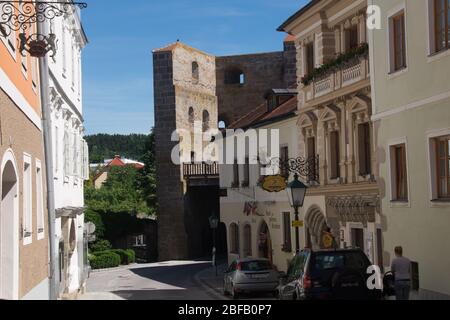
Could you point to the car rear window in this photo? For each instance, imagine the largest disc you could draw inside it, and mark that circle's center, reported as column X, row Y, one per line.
column 256, row 266
column 337, row 260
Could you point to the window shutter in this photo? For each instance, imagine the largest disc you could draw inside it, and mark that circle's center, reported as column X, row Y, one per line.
column 66, row 154
column 86, row 160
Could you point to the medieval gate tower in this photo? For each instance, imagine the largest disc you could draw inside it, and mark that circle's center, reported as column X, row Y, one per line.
column 189, row 87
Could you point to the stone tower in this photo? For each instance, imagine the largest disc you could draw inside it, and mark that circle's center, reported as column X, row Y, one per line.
column 192, row 86
column 185, row 91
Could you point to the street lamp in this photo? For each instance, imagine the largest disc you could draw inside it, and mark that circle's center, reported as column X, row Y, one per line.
column 214, row 224
column 296, row 193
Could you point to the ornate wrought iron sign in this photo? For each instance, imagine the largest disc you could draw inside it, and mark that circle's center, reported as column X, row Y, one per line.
column 22, row 15
column 305, row 168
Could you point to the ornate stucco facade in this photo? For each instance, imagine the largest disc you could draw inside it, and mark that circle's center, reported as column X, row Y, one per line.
column 335, row 110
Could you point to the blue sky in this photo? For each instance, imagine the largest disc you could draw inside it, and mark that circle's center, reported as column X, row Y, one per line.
column 117, row 63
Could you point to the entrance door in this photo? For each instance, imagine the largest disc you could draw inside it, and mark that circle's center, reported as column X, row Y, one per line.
column 265, row 243
column 358, row 238
column 9, row 242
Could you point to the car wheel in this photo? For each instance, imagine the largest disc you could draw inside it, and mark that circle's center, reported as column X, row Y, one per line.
column 234, row 294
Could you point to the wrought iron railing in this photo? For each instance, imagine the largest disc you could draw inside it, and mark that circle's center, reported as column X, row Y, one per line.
column 306, row 168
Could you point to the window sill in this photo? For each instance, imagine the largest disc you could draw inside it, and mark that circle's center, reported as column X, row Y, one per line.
column 438, row 55
column 440, row 203
column 400, row 204
column 397, row 73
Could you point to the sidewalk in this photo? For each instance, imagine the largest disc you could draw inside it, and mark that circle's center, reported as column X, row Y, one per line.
column 209, row 279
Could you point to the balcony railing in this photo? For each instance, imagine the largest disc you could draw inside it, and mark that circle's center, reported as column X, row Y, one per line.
column 200, row 170
column 348, row 74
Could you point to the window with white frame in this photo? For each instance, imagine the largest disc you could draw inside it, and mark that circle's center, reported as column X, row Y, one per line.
column 443, row 167
column 439, row 25
column 66, row 154
column 397, row 41
column 27, row 223
column 75, row 155
column 399, row 172
column 39, row 201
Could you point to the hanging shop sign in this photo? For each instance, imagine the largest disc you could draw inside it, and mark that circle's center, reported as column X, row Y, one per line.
column 274, row 183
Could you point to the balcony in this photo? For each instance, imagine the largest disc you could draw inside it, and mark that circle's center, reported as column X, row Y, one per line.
column 200, row 170
column 340, row 73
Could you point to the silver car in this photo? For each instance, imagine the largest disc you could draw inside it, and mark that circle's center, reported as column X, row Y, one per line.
column 250, row 276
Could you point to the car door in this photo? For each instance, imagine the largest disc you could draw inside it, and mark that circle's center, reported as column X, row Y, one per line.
column 288, row 290
column 229, row 274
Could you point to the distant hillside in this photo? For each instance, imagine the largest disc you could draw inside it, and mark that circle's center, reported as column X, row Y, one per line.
column 106, row 146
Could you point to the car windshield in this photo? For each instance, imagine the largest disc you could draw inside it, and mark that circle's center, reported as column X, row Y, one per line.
column 337, row 260
column 256, row 266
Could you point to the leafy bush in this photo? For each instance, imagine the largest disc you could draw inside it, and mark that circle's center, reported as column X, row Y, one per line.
column 131, row 255
column 104, row 260
column 95, row 218
column 100, row 246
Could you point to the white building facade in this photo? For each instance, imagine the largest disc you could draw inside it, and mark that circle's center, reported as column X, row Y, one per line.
column 70, row 153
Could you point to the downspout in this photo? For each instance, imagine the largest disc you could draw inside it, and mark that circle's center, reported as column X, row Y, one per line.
column 47, row 132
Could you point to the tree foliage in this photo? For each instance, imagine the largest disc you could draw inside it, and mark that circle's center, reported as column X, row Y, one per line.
column 106, row 146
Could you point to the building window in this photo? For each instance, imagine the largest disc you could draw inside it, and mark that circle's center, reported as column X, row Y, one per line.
column 66, row 154
column 443, row 167
column 246, row 182
column 397, row 42
column 234, row 76
column 284, row 155
column 39, row 201
column 27, row 200
column 235, row 183
column 310, row 64
column 287, row 238
column 75, row 154
column 442, row 24
column 195, row 72
column 311, row 155
column 399, row 172
column 335, row 169
column 206, row 120
column 351, row 38
column 234, row 238
column 191, row 115
column 247, row 241
column 364, row 149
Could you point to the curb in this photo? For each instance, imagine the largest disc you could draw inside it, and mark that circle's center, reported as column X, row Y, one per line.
column 211, row 289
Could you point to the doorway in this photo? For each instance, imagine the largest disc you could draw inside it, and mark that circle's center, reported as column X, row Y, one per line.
column 9, row 237
column 265, row 242
column 358, row 238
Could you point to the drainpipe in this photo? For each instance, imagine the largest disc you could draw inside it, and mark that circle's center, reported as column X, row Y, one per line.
column 47, row 132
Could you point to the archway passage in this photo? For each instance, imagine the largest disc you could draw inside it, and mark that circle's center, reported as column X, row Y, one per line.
column 8, row 236
column 265, row 242
column 316, row 225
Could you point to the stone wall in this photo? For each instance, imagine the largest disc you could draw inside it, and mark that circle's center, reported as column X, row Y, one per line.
column 262, row 73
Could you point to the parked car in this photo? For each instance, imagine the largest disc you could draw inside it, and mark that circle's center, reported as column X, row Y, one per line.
column 250, row 276
column 328, row 275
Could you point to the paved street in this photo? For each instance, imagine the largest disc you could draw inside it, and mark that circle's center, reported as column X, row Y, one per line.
column 173, row 280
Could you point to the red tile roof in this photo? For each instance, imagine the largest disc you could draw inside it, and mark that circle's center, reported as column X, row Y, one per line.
column 261, row 115
column 289, row 38
column 117, row 162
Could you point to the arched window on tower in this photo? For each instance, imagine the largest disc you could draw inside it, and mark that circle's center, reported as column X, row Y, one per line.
column 195, row 72
column 205, row 120
column 191, row 115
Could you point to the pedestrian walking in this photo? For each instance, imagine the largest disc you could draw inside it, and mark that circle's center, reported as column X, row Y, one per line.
column 401, row 269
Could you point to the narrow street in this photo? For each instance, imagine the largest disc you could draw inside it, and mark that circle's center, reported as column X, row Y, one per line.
column 156, row 281
column 172, row 280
